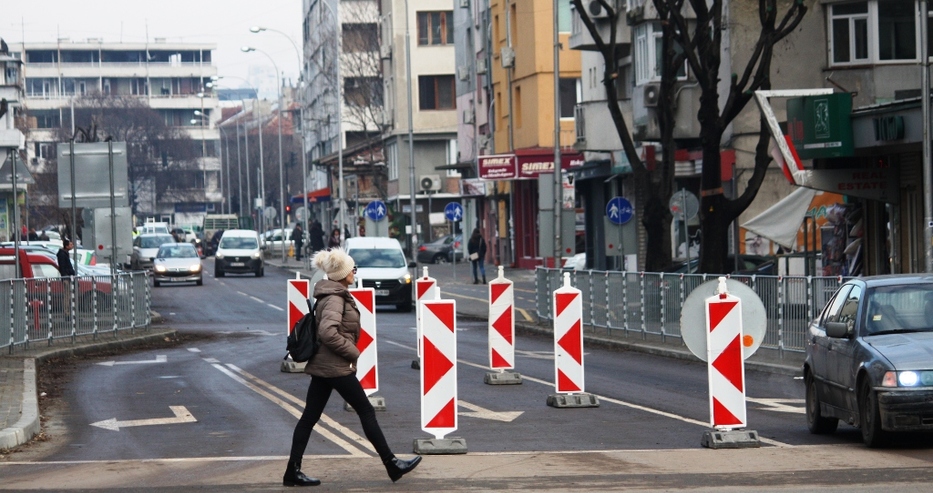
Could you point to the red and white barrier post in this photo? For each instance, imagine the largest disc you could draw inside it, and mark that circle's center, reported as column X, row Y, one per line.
column 367, row 366
column 425, row 289
column 502, row 332
column 568, row 349
column 439, row 377
column 297, row 295
column 726, row 369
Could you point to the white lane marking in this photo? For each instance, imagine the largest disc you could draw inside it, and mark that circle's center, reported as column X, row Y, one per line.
column 158, row 359
column 211, row 360
column 630, row 405
column 241, row 292
column 352, row 435
column 536, row 354
column 194, row 350
column 279, row 308
column 181, row 416
column 340, row 442
column 780, row 405
column 483, row 413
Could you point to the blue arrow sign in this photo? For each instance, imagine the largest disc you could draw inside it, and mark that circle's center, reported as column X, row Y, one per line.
column 376, row 210
column 619, row 210
column 453, row 212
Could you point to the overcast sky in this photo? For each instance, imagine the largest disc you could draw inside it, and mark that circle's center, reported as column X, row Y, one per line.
column 223, row 22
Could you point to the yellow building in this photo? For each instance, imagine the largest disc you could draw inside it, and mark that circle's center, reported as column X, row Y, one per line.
column 523, row 115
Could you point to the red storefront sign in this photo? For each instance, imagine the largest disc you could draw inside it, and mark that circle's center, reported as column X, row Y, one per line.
column 525, row 164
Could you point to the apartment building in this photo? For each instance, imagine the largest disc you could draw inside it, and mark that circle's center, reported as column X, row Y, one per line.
column 864, row 209
column 169, row 77
column 11, row 141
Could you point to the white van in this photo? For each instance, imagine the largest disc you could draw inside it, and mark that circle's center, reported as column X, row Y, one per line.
column 382, row 265
column 238, row 252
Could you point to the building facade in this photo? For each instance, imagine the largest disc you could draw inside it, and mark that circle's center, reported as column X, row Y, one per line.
column 170, row 78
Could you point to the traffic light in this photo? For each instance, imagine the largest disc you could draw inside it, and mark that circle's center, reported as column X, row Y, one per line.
column 288, row 209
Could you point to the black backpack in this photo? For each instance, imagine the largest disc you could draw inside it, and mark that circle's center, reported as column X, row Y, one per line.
column 302, row 343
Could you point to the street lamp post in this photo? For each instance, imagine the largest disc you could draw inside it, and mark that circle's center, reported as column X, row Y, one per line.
column 247, row 49
column 214, row 79
column 411, row 144
column 301, row 109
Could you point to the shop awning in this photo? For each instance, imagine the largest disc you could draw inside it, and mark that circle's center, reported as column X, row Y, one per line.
column 322, row 195
column 781, row 221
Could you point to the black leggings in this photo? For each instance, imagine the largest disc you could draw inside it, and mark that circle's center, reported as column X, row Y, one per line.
column 350, row 389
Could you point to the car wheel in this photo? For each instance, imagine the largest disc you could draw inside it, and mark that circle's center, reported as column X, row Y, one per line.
column 155, row 284
column 200, row 281
column 404, row 307
column 440, row 258
column 817, row 424
column 870, row 417
column 260, row 272
column 218, row 272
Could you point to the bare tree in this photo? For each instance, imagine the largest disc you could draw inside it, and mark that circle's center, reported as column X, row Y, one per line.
column 698, row 40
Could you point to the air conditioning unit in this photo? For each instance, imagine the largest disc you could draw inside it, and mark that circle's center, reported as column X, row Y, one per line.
column 385, row 51
column 468, row 117
column 463, row 73
column 596, row 10
column 481, row 66
column 465, row 4
column 507, row 57
column 430, row 183
column 651, row 95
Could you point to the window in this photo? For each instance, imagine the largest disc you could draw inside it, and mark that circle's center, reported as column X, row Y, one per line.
column 362, row 91
column 649, row 54
column 359, row 38
column 564, row 17
column 435, row 28
column 873, row 31
column 569, row 96
column 392, row 161
column 517, row 107
column 436, row 92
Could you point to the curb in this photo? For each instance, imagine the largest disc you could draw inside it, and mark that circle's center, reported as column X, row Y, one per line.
column 28, row 424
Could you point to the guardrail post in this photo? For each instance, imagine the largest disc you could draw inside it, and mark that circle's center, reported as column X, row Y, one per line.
column 644, row 317
column 780, row 310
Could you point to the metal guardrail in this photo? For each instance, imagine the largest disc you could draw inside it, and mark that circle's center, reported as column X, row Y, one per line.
column 50, row 309
column 650, row 303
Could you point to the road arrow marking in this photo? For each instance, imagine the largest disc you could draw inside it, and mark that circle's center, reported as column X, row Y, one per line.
column 483, row 413
column 780, row 405
column 158, row 359
column 181, row 416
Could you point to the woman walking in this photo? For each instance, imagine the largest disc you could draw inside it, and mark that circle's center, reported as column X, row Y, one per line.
column 334, row 240
column 476, row 247
column 334, row 368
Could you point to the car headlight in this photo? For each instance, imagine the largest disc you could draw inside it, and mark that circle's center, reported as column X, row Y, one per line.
column 256, row 255
column 406, row 279
column 195, row 268
column 160, row 268
column 907, row 379
column 219, row 256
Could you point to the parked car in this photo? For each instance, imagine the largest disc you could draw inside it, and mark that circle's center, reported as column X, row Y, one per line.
column 145, row 248
column 577, row 262
column 381, row 264
column 238, row 252
column 441, row 250
column 42, row 270
column 177, row 262
column 748, row 264
column 868, row 358
column 272, row 241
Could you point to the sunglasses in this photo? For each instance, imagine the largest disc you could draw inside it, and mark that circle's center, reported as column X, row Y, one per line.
column 354, row 269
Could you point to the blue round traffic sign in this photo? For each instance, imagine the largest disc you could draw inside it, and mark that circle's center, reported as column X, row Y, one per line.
column 453, row 212
column 619, row 210
column 376, row 210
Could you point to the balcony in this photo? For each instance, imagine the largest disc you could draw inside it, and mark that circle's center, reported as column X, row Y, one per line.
column 580, row 38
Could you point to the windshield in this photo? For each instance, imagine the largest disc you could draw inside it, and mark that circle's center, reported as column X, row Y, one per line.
column 238, row 243
column 378, row 258
column 902, row 308
column 178, row 250
column 155, row 241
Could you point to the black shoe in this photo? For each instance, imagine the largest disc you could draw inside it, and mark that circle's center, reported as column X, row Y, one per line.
column 397, row 467
column 475, row 281
column 484, row 279
column 294, row 476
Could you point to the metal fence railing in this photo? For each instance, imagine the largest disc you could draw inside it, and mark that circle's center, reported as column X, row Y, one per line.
column 650, row 303
column 50, row 309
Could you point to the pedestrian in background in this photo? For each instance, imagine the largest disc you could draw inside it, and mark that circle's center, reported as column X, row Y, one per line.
column 334, row 368
column 67, row 271
column 476, row 247
column 316, row 237
column 299, row 238
column 334, row 240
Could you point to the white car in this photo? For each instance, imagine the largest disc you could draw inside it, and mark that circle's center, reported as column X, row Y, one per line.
column 272, row 241
column 382, row 265
column 238, row 252
column 145, row 248
column 577, row 262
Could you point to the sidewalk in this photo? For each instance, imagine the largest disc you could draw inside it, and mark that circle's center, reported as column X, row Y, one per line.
column 19, row 400
column 473, row 308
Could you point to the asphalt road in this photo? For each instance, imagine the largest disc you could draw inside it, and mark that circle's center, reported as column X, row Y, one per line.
column 217, row 412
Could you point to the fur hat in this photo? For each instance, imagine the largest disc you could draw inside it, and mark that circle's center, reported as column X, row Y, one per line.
column 334, row 262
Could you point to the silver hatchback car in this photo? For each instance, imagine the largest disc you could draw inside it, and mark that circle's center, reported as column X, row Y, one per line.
column 175, row 263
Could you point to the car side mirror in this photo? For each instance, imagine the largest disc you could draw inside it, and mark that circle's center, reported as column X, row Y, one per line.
column 412, row 265
column 837, row 329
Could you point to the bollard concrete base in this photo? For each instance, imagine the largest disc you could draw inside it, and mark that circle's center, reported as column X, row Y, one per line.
column 439, row 446
column 572, row 400
column 503, row 378
column 289, row 366
column 717, row 439
column 379, row 404
column 415, row 364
